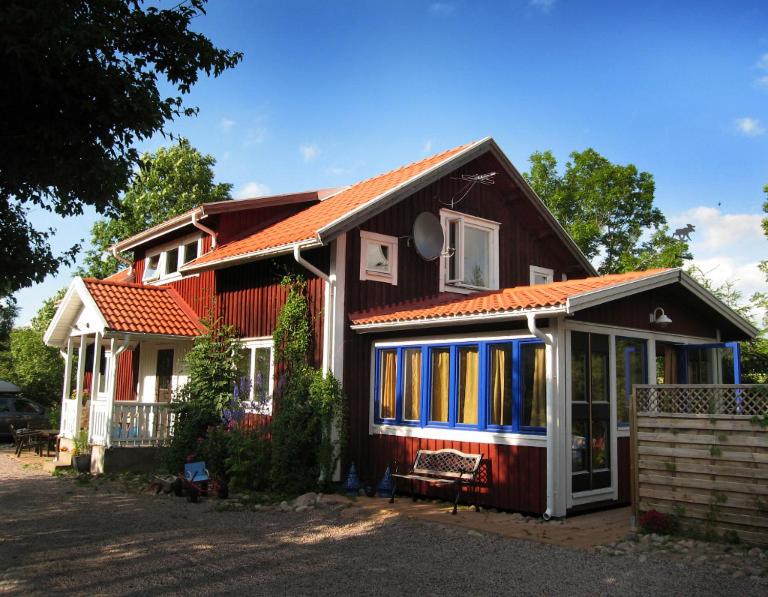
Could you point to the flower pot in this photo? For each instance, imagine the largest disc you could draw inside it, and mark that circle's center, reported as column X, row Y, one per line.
column 82, row 463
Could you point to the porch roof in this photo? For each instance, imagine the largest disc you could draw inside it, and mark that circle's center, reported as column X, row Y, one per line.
column 564, row 297
column 121, row 307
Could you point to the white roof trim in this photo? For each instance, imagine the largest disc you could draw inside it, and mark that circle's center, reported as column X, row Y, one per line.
column 457, row 319
column 77, row 289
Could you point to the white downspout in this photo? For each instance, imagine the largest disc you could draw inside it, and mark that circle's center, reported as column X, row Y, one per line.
column 122, row 259
column 204, row 228
column 330, row 290
column 547, row 339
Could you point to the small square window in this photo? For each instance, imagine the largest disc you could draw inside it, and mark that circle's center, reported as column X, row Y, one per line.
column 378, row 257
column 541, row 275
column 171, row 262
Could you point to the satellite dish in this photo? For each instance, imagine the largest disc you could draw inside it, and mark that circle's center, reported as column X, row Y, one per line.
column 428, row 236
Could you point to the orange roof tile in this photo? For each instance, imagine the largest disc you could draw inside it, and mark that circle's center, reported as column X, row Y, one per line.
column 143, row 309
column 305, row 225
column 124, row 275
column 495, row 301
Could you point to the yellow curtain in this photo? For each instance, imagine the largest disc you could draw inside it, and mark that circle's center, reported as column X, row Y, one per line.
column 539, row 388
column 412, row 386
column 500, row 412
column 468, row 368
column 388, row 385
column 440, row 379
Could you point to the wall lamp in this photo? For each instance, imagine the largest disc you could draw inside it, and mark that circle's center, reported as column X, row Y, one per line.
column 660, row 318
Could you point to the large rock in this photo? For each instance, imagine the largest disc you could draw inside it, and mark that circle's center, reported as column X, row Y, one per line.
column 308, row 499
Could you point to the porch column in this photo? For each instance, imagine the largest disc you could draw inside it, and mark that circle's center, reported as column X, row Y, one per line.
column 94, row 385
column 560, row 443
column 111, row 385
column 66, row 389
column 79, row 381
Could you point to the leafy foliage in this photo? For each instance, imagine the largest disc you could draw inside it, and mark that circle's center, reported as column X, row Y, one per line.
column 199, row 404
column 308, row 405
column 248, row 462
column 36, row 368
column 654, row 521
column 169, row 182
column 608, row 210
column 88, row 80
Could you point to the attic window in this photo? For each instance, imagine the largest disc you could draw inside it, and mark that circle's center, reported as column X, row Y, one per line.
column 378, row 257
column 164, row 263
column 150, row 269
column 541, row 275
column 471, row 257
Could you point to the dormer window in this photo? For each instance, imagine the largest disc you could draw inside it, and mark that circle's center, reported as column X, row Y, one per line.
column 471, row 253
column 541, row 275
column 164, row 262
column 378, row 257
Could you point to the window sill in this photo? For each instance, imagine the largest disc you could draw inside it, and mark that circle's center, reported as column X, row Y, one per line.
column 461, row 435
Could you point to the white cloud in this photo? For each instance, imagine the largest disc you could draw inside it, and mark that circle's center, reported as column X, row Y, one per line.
column 255, row 136
column 309, row 151
column 727, row 247
column 542, row 5
column 762, row 63
column 749, row 126
column 442, row 9
column 251, row 190
column 762, row 81
column 427, row 146
column 226, row 124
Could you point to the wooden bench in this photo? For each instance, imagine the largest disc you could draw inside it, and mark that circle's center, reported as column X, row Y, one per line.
column 441, row 467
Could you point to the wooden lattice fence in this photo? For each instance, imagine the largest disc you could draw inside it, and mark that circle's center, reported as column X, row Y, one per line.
column 701, row 453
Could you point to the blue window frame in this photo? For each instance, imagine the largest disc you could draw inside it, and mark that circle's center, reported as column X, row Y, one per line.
column 475, row 385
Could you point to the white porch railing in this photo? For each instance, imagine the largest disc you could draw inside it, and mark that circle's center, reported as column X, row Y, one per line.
column 68, row 426
column 99, row 421
column 139, row 423
column 702, row 399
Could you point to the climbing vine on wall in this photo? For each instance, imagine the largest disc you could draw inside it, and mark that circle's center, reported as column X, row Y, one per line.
column 308, row 425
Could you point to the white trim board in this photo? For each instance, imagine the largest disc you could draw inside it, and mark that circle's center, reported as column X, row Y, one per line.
column 461, row 435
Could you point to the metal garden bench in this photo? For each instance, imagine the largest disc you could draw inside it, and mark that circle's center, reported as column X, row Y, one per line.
column 441, row 467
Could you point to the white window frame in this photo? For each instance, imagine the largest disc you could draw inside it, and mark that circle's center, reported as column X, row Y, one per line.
column 250, row 344
column 367, row 238
column 446, row 217
column 536, row 270
column 162, row 251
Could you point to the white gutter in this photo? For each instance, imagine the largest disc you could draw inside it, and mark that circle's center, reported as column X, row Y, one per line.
column 122, row 259
column 547, row 339
column 328, row 311
column 204, row 228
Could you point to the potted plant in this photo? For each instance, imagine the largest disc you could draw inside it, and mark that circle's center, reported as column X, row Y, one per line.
column 81, row 455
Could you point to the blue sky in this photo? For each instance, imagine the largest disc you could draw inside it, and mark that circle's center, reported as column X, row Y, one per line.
column 333, row 92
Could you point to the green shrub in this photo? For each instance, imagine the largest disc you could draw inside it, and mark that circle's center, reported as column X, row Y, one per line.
column 248, row 459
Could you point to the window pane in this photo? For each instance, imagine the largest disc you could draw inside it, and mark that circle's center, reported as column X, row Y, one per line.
column 387, row 383
column 476, row 257
column 599, row 374
column 630, row 370
column 377, row 257
column 411, row 384
column 244, row 375
column 579, row 445
column 441, row 369
column 150, row 271
column 5, row 405
column 469, row 360
column 24, row 406
column 453, row 246
column 600, row 445
column 190, row 251
column 533, row 380
column 164, row 374
column 501, row 385
column 172, row 261
column 261, row 378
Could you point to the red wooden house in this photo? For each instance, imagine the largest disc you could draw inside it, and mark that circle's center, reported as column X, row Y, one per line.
column 449, row 302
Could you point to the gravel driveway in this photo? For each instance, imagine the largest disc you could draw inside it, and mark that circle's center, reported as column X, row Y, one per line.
column 58, row 537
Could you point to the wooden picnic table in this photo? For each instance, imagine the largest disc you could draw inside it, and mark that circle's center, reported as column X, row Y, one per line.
column 47, row 436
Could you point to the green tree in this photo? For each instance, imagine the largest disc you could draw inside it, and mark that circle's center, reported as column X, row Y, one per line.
column 764, row 264
column 36, row 368
column 608, row 210
column 85, row 80
column 169, row 182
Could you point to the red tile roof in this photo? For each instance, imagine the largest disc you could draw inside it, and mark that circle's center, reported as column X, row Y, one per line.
column 143, row 309
column 305, row 225
column 124, row 275
column 495, row 301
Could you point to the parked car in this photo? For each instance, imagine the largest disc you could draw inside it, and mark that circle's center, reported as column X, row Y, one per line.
column 20, row 412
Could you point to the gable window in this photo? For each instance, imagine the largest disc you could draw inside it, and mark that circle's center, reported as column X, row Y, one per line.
column 471, row 257
column 165, row 262
column 378, row 257
column 257, row 372
column 541, row 275
column 496, row 385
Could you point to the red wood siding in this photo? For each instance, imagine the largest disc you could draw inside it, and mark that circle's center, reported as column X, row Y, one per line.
column 689, row 315
column 127, row 374
column 511, row 477
column 235, row 225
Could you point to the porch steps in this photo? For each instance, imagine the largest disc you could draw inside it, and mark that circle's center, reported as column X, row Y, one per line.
column 63, row 461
